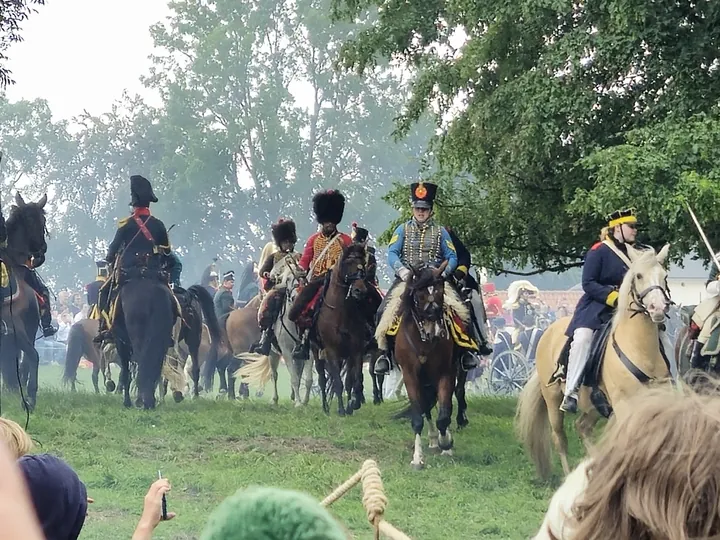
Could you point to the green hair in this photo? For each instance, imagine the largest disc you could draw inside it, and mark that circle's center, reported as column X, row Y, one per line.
column 262, row 513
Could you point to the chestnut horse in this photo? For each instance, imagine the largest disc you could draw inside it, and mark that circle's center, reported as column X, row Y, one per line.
column 340, row 330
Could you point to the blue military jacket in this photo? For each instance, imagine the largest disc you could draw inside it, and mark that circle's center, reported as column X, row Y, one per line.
column 414, row 243
column 603, row 273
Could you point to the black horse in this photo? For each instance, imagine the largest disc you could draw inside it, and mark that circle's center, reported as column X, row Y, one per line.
column 20, row 310
column 144, row 318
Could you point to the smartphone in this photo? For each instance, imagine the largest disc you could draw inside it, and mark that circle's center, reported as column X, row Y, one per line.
column 164, row 502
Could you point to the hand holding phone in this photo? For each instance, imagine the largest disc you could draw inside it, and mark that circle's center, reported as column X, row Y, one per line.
column 164, row 514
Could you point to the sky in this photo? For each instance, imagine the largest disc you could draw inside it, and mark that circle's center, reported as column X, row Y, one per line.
column 81, row 54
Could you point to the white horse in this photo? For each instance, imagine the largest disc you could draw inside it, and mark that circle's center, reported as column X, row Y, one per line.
column 258, row 369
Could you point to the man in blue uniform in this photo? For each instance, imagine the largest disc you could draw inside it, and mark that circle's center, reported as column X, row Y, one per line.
column 471, row 291
column 141, row 240
column 224, row 302
column 419, row 241
column 93, row 289
column 605, row 267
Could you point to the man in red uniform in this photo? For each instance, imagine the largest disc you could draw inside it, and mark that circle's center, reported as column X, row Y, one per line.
column 322, row 250
column 493, row 304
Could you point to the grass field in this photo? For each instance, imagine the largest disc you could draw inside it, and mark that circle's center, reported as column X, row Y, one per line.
column 208, row 449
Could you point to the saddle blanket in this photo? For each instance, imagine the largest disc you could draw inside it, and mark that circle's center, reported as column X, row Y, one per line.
column 452, row 321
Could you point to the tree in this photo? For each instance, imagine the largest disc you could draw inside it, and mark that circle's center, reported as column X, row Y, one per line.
column 559, row 113
column 12, row 14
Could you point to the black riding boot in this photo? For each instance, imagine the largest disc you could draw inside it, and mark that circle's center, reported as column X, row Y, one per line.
column 697, row 360
column 265, row 342
column 46, row 316
column 302, row 348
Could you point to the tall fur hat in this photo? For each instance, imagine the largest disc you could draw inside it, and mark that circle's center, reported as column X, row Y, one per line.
column 284, row 231
column 329, row 206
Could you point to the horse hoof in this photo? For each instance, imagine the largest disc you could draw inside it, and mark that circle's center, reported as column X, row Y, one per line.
column 298, row 404
column 127, row 404
column 418, row 466
column 377, row 401
column 178, row 396
column 433, row 446
column 341, row 412
column 446, row 453
column 110, row 386
column 462, row 422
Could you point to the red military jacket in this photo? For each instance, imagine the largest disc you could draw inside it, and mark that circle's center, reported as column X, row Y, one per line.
column 315, row 246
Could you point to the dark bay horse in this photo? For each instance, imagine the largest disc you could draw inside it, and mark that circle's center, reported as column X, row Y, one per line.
column 424, row 351
column 20, row 312
column 143, row 324
column 340, row 330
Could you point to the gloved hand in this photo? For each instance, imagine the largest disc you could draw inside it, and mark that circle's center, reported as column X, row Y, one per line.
column 404, row 273
column 460, row 274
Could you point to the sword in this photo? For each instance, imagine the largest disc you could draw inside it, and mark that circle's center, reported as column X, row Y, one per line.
column 702, row 235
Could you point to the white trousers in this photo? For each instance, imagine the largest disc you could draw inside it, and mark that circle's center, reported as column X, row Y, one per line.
column 578, row 359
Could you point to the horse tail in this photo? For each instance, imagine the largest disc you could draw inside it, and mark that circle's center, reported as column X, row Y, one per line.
column 257, row 369
column 216, row 336
column 75, row 349
column 532, row 425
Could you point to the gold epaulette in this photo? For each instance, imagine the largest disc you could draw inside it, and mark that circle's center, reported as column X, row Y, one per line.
column 123, row 221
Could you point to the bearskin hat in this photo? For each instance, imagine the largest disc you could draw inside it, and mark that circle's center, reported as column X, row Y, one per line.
column 141, row 192
column 284, row 231
column 329, row 206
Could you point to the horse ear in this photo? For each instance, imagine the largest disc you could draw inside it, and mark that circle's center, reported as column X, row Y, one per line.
column 42, row 202
column 19, row 200
column 662, row 256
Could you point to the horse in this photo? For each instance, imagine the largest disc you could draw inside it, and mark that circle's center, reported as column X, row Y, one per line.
column 340, row 330
column 79, row 344
column 196, row 304
column 258, row 368
column 241, row 332
column 143, row 323
column 424, row 352
column 26, row 232
column 637, row 356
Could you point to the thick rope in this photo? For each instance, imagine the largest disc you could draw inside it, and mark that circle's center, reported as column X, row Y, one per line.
column 374, row 499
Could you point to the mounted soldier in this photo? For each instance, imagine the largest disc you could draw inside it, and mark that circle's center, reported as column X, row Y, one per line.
column 224, row 301
column 322, row 250
column 361, row 236
column 471, row 292
column 141, row 244
column 699, row 330
column 93, row 289
column 416, row 242
column 35, row 261
column 210, row 278
column 285, row 237
column 606, row 264
column 520, row 303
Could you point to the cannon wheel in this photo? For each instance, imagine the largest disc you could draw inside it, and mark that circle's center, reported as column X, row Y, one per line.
column 508, row 373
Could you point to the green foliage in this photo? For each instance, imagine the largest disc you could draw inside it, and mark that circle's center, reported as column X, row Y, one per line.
column 555, row 113
column 12, row 14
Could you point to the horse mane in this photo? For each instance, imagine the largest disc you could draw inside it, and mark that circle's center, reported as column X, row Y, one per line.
column 641, row 261
column 31, row 211
column 421, row 278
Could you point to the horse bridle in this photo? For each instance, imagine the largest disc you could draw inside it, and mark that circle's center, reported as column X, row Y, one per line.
column 348, row 279
column 639, row 297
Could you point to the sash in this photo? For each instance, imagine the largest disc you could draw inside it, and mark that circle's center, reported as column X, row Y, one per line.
column 624, row 258
column 322, row 253
column 143, row 229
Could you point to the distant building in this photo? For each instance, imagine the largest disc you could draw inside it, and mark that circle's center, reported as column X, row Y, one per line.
column 687, row 282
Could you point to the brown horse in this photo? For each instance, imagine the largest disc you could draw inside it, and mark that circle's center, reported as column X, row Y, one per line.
column 20, row 312
column 241, row 332
column 424, row 352
column 340, row 330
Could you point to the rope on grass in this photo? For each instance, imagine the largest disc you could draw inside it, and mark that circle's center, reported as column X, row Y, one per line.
column 374, row 499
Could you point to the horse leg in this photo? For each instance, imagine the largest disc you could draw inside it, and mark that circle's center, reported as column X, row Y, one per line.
column 377, row 392
column 307, row 375
column 124, row 380
column 221, row 369
column 557, row 418
column 275, row 362
column 462, row 419
column 322, row 382
column 358, row 387
column 333, row 365
column 95, row 378
column 584, row 425
column 432, row 431
column 445, row 404
column 416, row 417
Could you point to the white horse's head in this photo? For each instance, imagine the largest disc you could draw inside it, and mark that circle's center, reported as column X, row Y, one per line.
column 287, row 271
column 644, row 289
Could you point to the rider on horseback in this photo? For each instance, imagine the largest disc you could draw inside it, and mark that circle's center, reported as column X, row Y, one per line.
column 374, row 297
column 322, row 250
column 285, row 237
column 93, row 289
column 603, row 272
column 140, row 240
column 32, row 279
column 700, row 316
column 418, row 241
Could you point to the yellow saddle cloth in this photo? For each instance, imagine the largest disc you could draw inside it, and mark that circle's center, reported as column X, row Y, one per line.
column 452, row 321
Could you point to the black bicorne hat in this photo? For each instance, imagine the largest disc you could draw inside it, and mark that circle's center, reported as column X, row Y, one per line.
column 358, row 234
column 141, row 192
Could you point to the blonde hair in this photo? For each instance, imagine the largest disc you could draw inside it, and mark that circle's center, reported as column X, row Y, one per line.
column 656, row 473
column 604, row 233
column 15, row 437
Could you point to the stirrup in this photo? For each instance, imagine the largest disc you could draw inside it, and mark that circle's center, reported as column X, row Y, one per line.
column 569, row 404
column 381, row 371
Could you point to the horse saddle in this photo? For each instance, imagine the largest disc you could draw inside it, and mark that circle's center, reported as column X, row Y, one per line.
column 711, row 334
column 8, row 284
column 598, row 345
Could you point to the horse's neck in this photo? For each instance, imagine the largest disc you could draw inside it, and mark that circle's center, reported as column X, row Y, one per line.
column 17, row 251
column 639, row 339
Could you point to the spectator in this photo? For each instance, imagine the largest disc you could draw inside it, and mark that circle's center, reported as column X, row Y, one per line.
column 14, row 437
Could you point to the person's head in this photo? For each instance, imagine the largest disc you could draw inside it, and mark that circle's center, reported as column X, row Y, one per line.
column 329, row 207
column 622, row 226
column 422, row 199
column 228, row 279
column 15, row 438
column 78, row 299
column 63, row 297
column 656, row 473
column 258, row 513
column 58, row 495
column 141, row 192
column 359, row 235
column 214, row 279
column 284, row 234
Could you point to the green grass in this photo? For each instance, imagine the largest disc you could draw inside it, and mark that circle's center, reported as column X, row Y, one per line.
column 208, row 449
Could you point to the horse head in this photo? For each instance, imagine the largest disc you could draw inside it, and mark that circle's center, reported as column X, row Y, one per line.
column 426, row 290
column 351, row 271
column 26, row 226
column 644, row 289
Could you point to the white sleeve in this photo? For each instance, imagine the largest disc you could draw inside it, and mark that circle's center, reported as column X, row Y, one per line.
column 713, row 288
